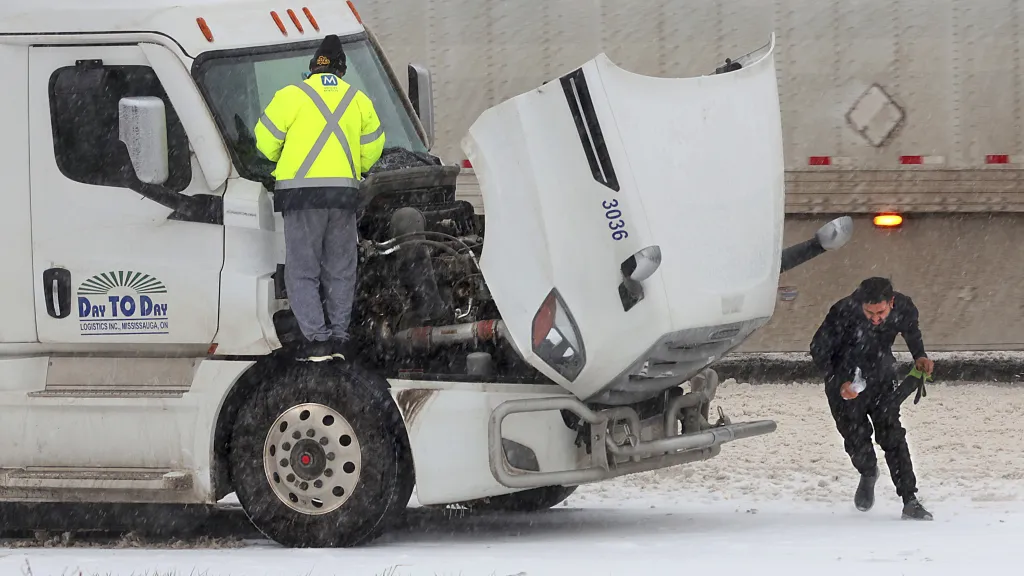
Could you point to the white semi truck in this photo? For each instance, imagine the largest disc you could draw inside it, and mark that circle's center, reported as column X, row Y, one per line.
column 145, row 345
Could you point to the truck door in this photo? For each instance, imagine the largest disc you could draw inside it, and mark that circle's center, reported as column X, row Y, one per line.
column 111, row 270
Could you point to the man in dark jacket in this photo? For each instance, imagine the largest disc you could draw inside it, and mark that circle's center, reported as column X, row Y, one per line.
column 853, row 348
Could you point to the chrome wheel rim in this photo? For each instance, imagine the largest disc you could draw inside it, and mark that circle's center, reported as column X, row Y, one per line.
column 312, row 459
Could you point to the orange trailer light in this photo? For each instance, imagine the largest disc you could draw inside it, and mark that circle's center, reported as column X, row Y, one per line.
column 888, row 220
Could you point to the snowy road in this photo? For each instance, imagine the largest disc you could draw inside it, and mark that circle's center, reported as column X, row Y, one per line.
column 779, row 504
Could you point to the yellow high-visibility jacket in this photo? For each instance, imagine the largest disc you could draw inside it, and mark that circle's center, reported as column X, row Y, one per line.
column 324, row 134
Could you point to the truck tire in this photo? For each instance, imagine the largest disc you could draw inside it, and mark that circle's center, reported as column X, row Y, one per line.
column 532, row 500
column 347, row 475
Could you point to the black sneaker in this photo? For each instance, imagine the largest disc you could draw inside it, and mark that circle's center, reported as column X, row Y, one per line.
column 913, row 510
column 317, row 352
column 865, row 497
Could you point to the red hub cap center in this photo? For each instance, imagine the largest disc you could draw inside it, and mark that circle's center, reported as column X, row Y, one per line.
column 306, row 459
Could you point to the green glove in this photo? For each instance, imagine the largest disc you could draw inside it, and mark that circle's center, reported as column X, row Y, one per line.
column 919, row 375
column 921, row 392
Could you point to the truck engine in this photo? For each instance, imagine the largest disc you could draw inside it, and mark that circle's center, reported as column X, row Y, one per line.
column 422, row 306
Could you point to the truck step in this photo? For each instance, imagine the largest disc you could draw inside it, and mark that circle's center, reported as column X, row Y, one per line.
column 95, row 484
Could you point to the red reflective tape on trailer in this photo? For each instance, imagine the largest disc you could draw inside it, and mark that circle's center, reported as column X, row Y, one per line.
column 830, row 161
column 922, row 159
column 467, row 164
column 1004, row 159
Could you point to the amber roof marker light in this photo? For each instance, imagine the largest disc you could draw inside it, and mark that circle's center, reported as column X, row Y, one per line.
column 280, row 24
column 205, row 29
column 355, row 12
column 295, row 20
column 309, row 16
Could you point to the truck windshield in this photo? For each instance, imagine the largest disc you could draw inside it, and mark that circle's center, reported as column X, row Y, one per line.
column 240, row 84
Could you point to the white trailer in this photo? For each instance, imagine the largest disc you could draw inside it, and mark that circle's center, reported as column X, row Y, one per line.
column 145, row 351
column 914, row 107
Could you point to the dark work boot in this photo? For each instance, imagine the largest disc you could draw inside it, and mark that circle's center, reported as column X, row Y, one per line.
column 865, row 497
column 316, row 352
column 913, row 510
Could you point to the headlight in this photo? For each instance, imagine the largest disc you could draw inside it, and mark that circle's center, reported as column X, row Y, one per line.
column 556, row 339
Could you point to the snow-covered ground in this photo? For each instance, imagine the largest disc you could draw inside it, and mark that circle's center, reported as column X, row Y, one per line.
column 778, row 504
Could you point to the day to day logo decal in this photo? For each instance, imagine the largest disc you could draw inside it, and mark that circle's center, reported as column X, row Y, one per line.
column 123, row 303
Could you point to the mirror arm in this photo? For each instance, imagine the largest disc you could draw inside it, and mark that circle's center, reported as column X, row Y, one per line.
column 831, row 236
column 201, row 208
column 799, row 253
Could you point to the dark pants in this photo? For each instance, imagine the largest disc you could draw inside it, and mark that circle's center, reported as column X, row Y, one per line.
column 321, row 250
column 878, row 405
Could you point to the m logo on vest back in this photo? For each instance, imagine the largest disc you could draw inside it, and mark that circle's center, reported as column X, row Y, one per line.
column 329, row 80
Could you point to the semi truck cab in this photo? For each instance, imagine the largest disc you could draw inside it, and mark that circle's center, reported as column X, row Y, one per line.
column 141, row 239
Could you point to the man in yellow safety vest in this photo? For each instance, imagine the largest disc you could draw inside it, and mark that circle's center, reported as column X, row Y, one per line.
column 324, row 134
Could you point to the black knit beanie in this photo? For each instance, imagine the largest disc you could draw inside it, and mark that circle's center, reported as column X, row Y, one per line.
column 329, row 57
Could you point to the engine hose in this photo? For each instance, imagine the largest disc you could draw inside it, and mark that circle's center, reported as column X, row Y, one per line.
column 438, row 245
column 397, row 239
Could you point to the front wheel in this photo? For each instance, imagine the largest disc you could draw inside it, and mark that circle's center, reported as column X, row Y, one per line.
column 320, row 457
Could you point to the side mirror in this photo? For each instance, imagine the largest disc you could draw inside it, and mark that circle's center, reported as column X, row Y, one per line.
column 836, row 233
column 421, row 92
column 143, row 129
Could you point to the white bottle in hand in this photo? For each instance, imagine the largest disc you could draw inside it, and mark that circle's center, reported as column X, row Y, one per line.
column 859, row 384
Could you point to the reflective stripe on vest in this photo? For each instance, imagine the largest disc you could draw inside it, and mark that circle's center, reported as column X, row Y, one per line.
column 333, row 127
column 272, row 128
column 372, row 137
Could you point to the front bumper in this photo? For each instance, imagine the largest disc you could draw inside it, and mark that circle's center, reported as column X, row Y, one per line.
column 619, row 442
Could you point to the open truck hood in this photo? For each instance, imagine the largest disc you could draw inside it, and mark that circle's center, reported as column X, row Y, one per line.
column 593, row 167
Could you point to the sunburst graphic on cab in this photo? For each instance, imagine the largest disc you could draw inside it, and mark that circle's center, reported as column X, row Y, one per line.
column 104, row 282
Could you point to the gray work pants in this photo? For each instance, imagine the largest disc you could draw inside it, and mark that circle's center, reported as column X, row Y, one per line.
column 321, row 248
